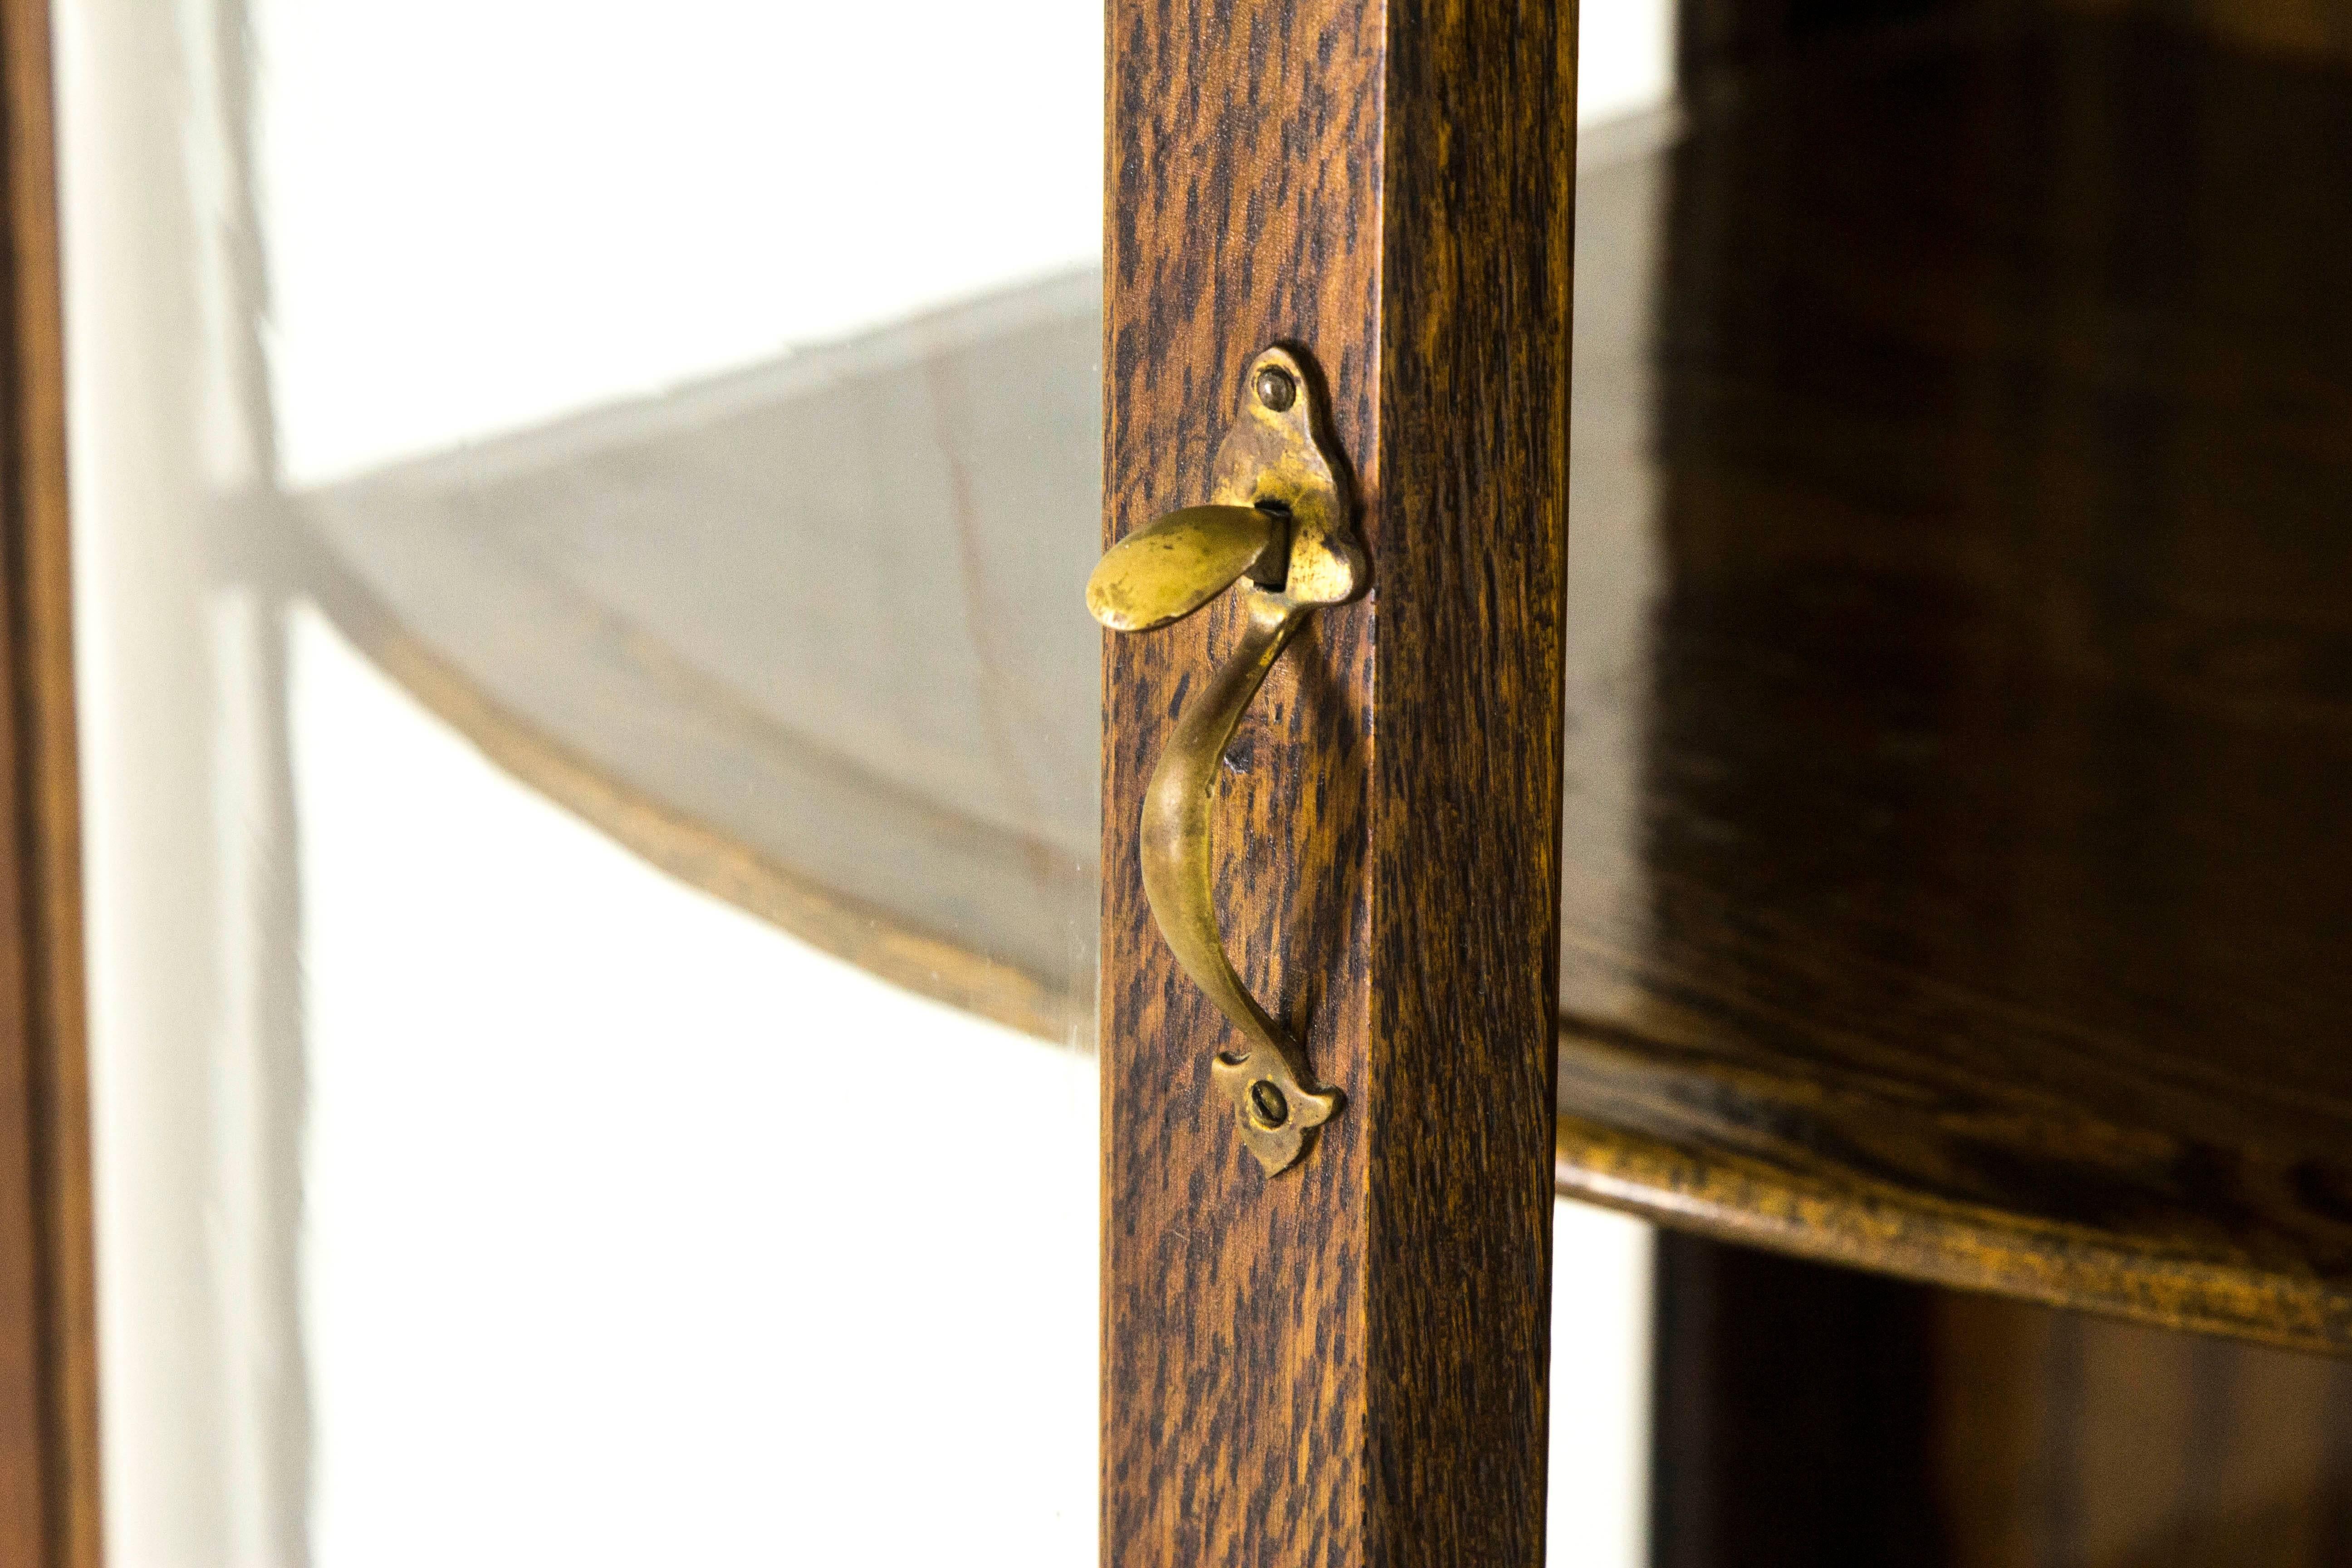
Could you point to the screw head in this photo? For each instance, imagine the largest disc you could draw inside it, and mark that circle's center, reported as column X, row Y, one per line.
column 1277, row 391
column 1267, row 1105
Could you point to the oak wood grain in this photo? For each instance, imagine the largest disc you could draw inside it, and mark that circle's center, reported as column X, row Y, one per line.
column 1471, row 542
column 1344, row 1364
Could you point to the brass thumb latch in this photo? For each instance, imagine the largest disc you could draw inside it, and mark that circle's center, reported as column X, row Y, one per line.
column 1278, row 517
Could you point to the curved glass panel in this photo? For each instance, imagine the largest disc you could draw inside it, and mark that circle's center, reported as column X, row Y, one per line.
column 590, row 740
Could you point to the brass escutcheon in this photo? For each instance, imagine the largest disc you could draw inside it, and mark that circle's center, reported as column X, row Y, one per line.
column 1277, row 522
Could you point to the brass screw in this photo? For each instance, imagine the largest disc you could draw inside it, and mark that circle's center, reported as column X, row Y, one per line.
column 1276, row 391
column 1265, row 1100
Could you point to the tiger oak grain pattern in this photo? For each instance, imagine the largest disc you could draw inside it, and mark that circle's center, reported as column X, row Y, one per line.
column 48, row 1381
column 1470, row 540
column 1344, row 1364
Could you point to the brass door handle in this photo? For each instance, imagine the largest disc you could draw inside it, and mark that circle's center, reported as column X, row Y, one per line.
column 1278, row 519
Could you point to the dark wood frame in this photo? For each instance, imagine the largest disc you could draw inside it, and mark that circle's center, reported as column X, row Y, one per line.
column 49, row 1377
column 1346, row 1363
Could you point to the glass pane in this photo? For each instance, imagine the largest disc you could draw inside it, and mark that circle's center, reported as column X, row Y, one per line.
column 584, row 517
column 591, row 746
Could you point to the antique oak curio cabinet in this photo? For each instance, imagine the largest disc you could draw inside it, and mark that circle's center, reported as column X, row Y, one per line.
column 923, row 784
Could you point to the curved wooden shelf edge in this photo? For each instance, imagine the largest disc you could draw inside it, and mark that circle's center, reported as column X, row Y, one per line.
column 1890, row 1230
column 858, row 933
column 1686, row 1185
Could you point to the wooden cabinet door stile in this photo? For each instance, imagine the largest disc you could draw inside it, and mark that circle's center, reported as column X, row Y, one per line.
column 1344, row 1363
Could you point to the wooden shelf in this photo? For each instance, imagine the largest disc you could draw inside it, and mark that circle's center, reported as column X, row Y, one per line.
column 1958, row 823
column 811, row 637
column 1976, row 765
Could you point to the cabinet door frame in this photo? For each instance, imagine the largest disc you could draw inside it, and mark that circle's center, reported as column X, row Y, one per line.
column 1345, row 1363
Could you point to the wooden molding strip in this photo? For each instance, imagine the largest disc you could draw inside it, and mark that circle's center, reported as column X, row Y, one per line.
column 49, row 1490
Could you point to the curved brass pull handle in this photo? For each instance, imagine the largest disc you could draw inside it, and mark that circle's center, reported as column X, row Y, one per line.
column 1279, row 520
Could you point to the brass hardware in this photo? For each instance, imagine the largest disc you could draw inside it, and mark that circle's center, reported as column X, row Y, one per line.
column 1166, row 570
column 1278, row 518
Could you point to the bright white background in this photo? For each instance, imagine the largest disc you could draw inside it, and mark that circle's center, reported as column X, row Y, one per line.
column 482, row 213
column 578, row 1250
column 639, row 1232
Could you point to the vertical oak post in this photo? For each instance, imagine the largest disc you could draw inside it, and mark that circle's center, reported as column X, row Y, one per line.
column 1344, row 1363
